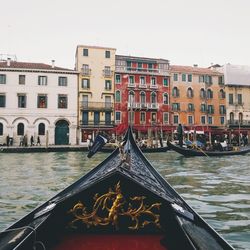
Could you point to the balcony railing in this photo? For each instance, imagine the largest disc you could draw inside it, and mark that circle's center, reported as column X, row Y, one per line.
column 107, row 73
column 96, row 106
column 97, row 124
column 85, row 72
column 155, row 71
column 143, row 106
column 238, row 122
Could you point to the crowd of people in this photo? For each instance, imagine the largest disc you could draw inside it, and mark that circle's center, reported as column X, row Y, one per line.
column 24, row 141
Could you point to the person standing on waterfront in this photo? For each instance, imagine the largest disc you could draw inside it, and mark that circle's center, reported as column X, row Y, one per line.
column 38, row 141
column 8, row 140
column 180, row 133
column 31, row 141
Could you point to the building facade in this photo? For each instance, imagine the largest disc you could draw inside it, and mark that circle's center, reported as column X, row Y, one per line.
column 96, row 66
column 37, row 100
column 142, row 95
column 198, row 99
column 237, row 85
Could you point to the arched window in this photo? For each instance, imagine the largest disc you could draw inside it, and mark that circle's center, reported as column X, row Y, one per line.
column 131, row 99
column 1, row 128
column 203, row 93
column 190, row 93
column 175, row 92
column 153, row 98
column 240, row 117
column 165, row 98
column 41, row 129
column 222, row 94
column 209, row 94
column 231, row 117
column 118, row 96
column 142, row 97
column 20, row 129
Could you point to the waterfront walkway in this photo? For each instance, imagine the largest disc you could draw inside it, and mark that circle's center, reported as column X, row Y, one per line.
column 50, row 148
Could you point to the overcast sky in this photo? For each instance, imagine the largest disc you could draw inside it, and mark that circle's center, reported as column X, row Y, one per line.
column 186, row 32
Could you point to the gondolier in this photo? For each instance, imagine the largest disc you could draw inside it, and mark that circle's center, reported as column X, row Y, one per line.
column 180, row 133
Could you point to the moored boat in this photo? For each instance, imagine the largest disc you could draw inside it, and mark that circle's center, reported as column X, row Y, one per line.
column 123, row 203
column 197, row 151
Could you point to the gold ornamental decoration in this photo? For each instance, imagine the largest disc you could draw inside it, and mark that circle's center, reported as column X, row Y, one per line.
column 109, row 207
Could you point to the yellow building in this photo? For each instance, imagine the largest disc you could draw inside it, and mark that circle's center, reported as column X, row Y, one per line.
column 96, row 66
column 198, row 97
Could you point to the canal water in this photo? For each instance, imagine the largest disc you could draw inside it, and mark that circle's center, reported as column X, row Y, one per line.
column 217, row 188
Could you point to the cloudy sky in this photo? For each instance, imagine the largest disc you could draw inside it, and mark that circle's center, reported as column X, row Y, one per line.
column 185, row 32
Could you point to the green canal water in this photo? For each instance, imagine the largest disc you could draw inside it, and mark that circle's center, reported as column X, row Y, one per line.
column 217, row 188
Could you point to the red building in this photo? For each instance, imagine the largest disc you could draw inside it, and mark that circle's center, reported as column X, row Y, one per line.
column 142, row 95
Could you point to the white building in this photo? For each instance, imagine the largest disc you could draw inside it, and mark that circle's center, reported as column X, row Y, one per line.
column 37, row 99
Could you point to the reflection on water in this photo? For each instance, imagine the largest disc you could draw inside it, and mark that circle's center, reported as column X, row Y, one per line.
column 217, row 188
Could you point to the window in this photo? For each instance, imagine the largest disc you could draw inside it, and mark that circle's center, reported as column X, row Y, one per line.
column 175, row 77
column 129, row 65
column 2, row 79
column 189, row 78
column 139, row 66
column 42, row 80
column 2, row 100
column 208, row 79
column 85, row 52
column 210, row 120
column 222, row 94
column 240, row 99
column 117, row 116
column 118, row 96
column 165, row 82
column 42, row 101
column 176, row 119
column 231, row 99
column 85, row 69
column 41, row 129
column 175, row 92
column 190, row 119
column 203, row 107
column 142, row 80
column 231, row 117
column 165, row 118
column 153, row 118
column 107, row 54
column 108, row 85
column 85, row 83
column 1, row 128
column 203, row 119
column 150, row 67
column 153, row 97
column 131, row 117
column 221, row 80
column 190, row 107
column 21, row 100
column 131, row 80
column 143, row 99
column 190, row 93
column 201, row 78
column 183, row 77
column 62, row 101
column 175, row 106
column 153, row 81
column 20, row 129
column 117, row 78
column 85, row 101
column 108, row 103
column 210, row 109
column 222, row 120
column 240, row 118
column 62, row 81
column 165, row 98
column 202, row 94
column 222, row 109
column 209, row 94
column 142, row 117
column 21, row 79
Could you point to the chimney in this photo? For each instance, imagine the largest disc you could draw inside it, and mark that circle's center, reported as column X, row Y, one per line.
column 195, row 65
column 8, row 62
column 52, row 64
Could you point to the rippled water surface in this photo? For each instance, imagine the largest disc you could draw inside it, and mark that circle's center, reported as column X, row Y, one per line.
column 217, row 188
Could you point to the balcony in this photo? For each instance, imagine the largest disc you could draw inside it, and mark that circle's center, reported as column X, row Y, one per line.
column 153, row 86
column 238, row 122
column 157, row 71
column 143, row 106
column 107, row 73
column 85, row 72
column 96, row 106
column 97, row 124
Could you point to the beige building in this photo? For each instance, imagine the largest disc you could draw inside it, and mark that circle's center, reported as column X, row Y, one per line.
column 96, row 66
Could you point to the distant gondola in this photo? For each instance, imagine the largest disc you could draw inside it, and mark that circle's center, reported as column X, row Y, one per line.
column 196, row 151
column 123, row 203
